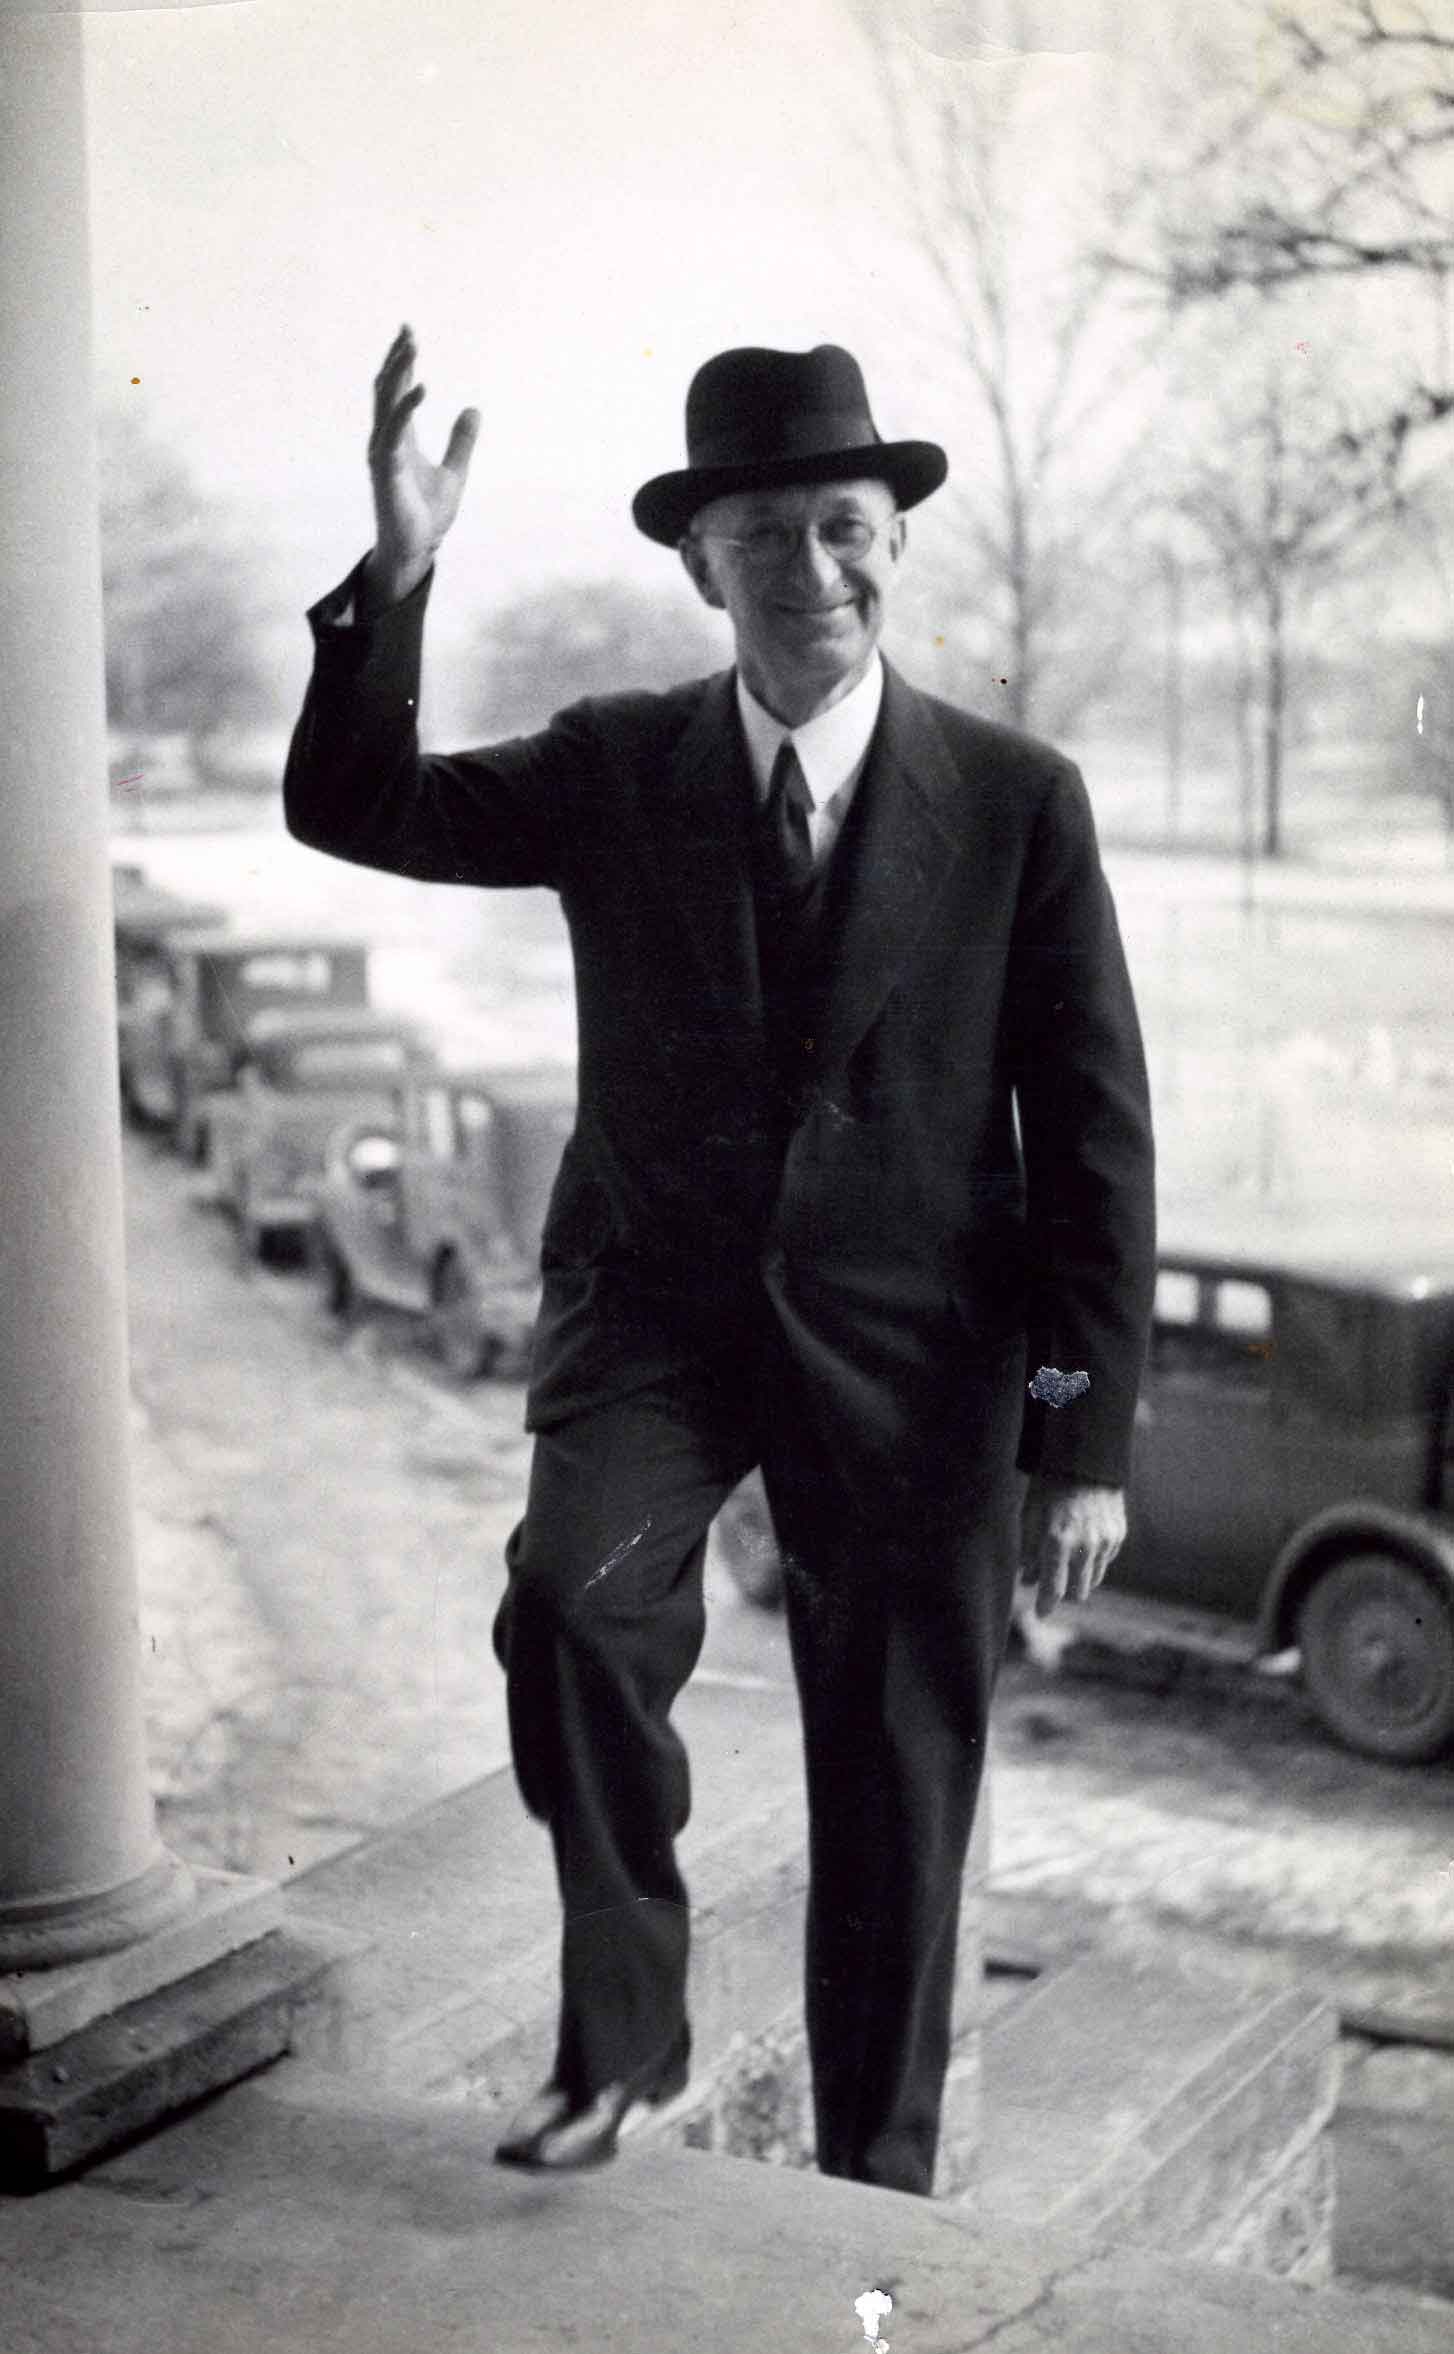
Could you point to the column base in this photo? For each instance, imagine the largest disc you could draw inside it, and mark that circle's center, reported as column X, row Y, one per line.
column 44, row 1933
column 41, row 2007
column 134, row 2068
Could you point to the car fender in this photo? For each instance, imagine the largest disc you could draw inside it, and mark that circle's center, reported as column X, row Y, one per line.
column 1346, row 1528
column 344, row 1222
column 354, row 1238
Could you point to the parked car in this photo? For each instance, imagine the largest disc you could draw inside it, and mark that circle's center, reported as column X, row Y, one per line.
column 185, row 1044
column 1294, row 1468
column 1293, row 1474
column 297, row 1075
column 145, row 919
column 440, row 1213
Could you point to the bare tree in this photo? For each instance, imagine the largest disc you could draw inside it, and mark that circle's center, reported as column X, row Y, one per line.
column 1284, row 489
column 570, row 638
column 1421, row 679
column 1364, row 89
column 1332, row 167
column 1037, row 335
column 183, row 595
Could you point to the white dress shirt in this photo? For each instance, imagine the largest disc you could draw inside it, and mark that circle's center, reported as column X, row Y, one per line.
column 832, row 749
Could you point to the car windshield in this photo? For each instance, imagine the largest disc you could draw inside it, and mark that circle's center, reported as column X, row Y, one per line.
column 234, row 986
column 303, row 973
column 344, row 1062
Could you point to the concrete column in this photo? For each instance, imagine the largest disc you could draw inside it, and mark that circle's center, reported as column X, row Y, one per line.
column 81, row 1868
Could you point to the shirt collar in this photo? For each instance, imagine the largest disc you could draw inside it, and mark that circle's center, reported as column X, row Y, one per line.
column 832, row 747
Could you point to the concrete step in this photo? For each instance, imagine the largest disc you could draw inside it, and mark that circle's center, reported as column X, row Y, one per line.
column 457, row 1908
column 1151, row 2103
column 301, row 2217
column 39, row 2008
column 124, row 2073
column 1386, row 1992
column 454, row 1994
column 1396, row 2199
column 1167, row 2105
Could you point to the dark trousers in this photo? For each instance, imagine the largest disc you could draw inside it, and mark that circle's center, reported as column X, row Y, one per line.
column 898, row 1595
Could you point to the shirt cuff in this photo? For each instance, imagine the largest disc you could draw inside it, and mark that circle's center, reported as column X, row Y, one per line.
column 340, row 608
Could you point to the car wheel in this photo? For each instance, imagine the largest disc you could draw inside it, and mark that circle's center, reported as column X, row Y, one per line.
column 1377, row 1642
column 456, row 1325
column 747, row 1544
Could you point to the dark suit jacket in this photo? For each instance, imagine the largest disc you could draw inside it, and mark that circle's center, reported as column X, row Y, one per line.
column 972, row 1170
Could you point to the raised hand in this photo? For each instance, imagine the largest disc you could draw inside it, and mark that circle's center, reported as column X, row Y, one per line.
column 415, row 501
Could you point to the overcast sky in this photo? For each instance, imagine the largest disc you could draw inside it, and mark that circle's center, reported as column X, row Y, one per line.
column 574, row 201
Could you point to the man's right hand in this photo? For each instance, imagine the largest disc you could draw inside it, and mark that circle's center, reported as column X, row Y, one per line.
column 415, row 502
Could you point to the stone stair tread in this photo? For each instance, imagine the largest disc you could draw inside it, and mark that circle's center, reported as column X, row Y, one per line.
column 739, row 1738
column 296, row 2215
column 1095, row 2075
column 1152, row 2100
column 456, row 1907
column 462, row 1894
column 1395, row 2214
column 1386, row 1993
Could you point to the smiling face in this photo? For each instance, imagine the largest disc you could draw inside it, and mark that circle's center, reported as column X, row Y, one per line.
column 806, row 620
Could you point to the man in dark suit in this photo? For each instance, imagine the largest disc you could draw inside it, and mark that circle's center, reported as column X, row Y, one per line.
column 860, row 1190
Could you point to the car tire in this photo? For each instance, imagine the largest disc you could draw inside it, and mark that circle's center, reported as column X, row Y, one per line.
column 456, row 1329
column 746, row 1544
column 1376, row 1633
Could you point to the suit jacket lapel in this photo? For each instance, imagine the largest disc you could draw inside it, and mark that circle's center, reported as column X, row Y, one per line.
column 902, row 859
column 699, row 851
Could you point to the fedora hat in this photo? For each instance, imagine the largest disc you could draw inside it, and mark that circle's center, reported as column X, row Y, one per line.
column 758, row 419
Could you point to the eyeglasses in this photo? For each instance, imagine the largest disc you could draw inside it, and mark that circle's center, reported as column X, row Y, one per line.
column 845, row 538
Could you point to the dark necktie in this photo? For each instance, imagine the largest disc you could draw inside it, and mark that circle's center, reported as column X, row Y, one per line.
column 787, row 909
column 785, row 849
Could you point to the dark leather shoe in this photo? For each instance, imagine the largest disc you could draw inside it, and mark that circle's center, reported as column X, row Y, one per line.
column 549, row 2136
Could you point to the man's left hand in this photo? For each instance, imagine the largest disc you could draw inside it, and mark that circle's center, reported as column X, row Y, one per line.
column 1070, row 1535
